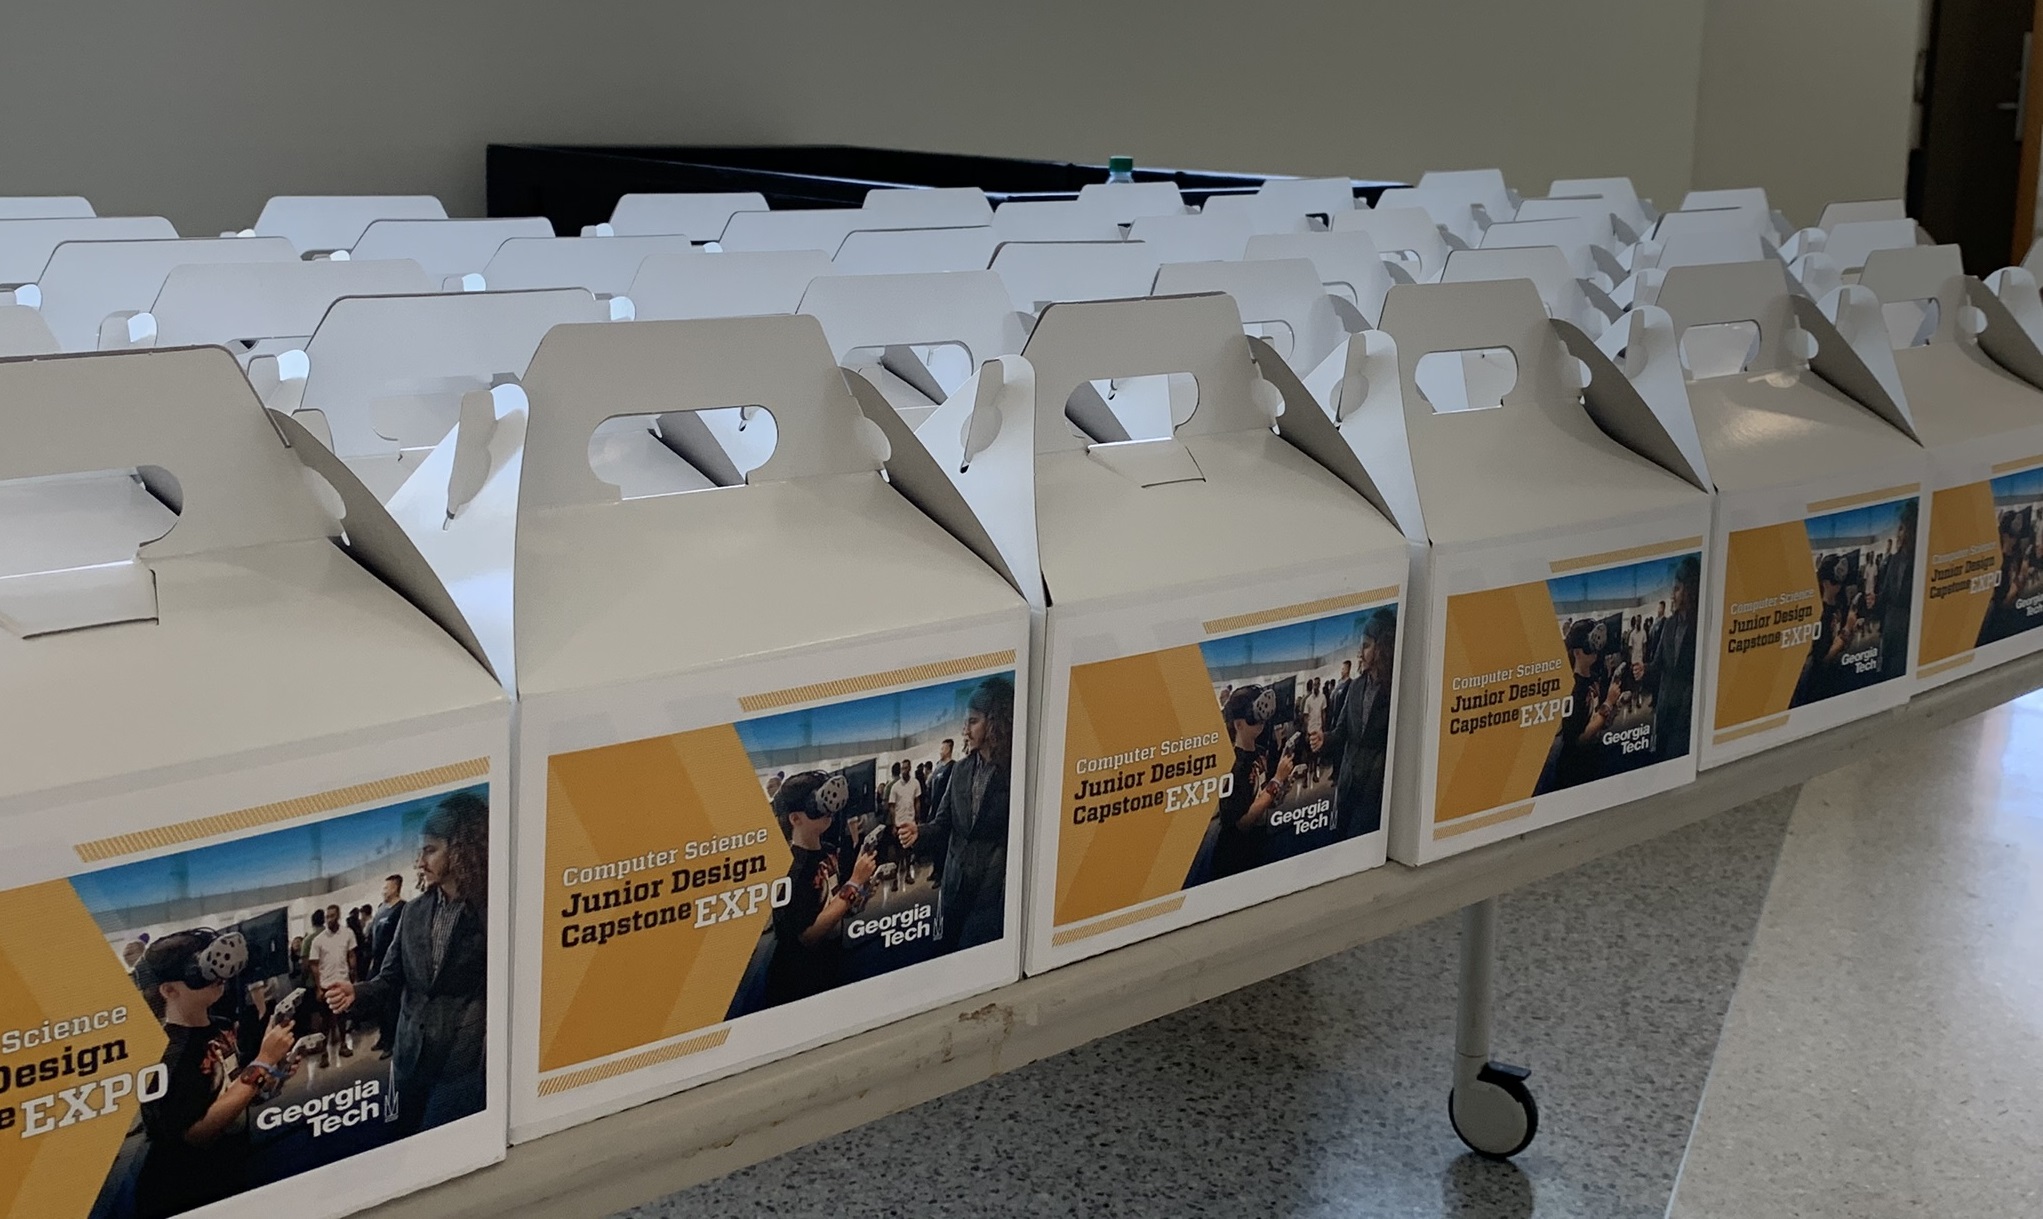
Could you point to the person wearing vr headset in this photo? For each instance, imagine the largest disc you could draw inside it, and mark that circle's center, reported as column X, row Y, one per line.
column 967, row 832
column 436, row 971
column 808, row 940
column 1244, row 813
column 1577, row 754
column 198, row 1129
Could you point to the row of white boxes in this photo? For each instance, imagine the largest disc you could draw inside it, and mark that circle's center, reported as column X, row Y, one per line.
column 1138, row 607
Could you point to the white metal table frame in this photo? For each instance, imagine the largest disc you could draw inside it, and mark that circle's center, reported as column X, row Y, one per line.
column 641, row 1154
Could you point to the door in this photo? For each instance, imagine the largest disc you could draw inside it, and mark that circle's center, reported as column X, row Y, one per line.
column 1966, row 173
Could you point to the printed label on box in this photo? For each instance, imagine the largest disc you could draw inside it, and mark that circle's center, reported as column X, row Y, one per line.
column 1562, row 682
column 1814, row 609
column 695, row 878
column 1984, row 582
column 265, row 1006
column 1200, row 762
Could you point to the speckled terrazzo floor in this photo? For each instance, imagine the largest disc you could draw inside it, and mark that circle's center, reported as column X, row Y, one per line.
column 1323, row 1092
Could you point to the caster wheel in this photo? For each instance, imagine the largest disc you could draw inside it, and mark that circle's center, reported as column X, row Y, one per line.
column 1497, row 1117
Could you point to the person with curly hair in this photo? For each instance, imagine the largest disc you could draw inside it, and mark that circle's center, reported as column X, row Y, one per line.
column 436, row 971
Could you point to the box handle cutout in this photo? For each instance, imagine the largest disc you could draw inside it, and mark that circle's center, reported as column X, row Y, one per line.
column 645, row 456
column 69, row 547
column 1719, row 349
column 1469, row 379
column 1111, row 410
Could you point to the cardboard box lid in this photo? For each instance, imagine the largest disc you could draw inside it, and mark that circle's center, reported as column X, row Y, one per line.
column 1313, row 196
column 1103, row 532
column 1347, row 262
column 26, row 245
column 612, row 590
column 1775, row 423
column 1127, row 202
column 1194, row 237
column 446, row 248
column 1484, row 188
column 1600, row 213
column 335, row 222
column 1573, row 236
column 88, row 281
column 806, row 228
column 1039, row 272
column 1054, row 220
column 1691, row 221
column 1850, row 241
column 1452, row 210
column 1260, row 214
column 265, row 632
column 1747, row 198
column 24, row 333
column 1400, row 232
column 603, row 265
column 1619, row 192
column 1846, row 211
column 1955, row 391
column 867, row 251
column 373, row 356
column 43, row 207
column 698, row 216
column 1283, row 300
column 1545, row 265
column 677, row 286
column 929, row 206
column 1537, row 461
column 220, row 303
column 868, row 312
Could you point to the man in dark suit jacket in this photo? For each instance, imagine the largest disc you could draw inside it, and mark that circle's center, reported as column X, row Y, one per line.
column 436, row 971
column 1359, row 739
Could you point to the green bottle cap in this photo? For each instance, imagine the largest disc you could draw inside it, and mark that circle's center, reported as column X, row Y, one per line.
column 1120, row 165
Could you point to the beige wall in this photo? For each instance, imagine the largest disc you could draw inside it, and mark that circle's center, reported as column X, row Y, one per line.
column 1809, row 98
column 200, row 109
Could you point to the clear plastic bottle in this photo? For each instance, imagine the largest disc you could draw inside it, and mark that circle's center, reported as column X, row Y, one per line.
column 1120, row 169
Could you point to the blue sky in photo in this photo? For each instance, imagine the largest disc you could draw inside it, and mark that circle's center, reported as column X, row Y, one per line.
column 280, row 857
column 1843, row 528
column 1630, row 585
column 1295, row 645
column 898, row 713
column 2023, row 484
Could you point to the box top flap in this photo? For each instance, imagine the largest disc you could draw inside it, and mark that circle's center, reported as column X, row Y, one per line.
column 335, row 222
column 878, row 251
column 446, row 247
column 970, row 308
column 1920, row 273
column 1718, row 293
column 1127, row 202
column 1689, row 222
column 1261, row 215
column 1082, row 341
column 971, row 466
column 370, row 348
column 1599, row 213
column 584, row 374
column 26, row 245
column 1315, row 196
column 603, row 265
column 1039, row 272
column 1846, row 211
column 2012, row 309
column 1546, row 266
column 605, row 586
column 1283, row 297
column 806, row 228
column 1484, row 187
column 1623, row 196
column 1852, row 241
column 188, row 411
column 700, row 216
column 1571, row 235
column 1053, row 220
column 1452, row 210
column 42, row 207
column 224, row 301
column 1771, row 431
column 1702, row 249
column 1347, row 264
column 86, row 281
column 1105, row 535
column 1193, row 237
column 933, row 205
column 1398, row 230
column 735, row 283
column 1745, row 198
column 23, row 332
column 1489, row 472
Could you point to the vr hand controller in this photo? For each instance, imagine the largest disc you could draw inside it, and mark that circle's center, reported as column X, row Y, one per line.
column 287, row 1011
